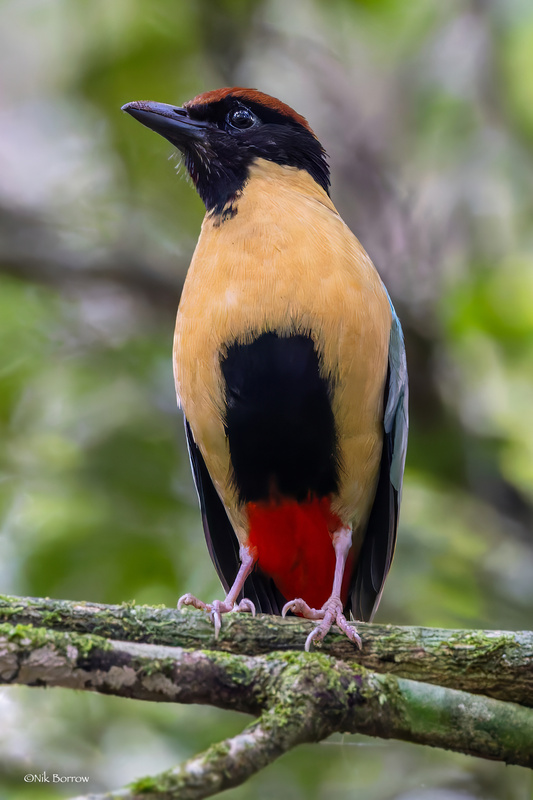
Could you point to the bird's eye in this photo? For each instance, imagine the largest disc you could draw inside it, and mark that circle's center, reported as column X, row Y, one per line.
column 241, row 118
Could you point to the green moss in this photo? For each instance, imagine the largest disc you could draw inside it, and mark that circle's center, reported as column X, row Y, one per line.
column 147, row 785
column 216, row 752
column 160, row 666
column 171, row 781
column 279, row 716
column 52, row 617
column 42, row 637
column 85, row 644
column 19, row 633
column 10, row 611
column 484, row 644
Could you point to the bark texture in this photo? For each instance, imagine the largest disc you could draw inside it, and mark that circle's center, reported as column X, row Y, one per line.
column 498, row 664
column 258, row 667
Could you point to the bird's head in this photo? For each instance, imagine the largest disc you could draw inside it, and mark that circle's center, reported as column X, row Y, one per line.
column 221, row 133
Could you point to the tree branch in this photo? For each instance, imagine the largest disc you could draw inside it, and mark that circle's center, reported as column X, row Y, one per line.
column 297, row 697
column 495, row 663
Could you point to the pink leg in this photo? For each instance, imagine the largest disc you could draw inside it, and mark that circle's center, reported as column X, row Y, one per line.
column 219, row 607
column 332, row 610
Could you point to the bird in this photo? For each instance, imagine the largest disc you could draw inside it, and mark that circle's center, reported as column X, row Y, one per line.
column 290, row 370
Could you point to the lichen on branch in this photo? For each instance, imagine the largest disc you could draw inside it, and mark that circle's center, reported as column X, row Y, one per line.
column 296, row 697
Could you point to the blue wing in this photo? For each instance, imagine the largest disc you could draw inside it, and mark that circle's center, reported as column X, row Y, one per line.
column 380, row 538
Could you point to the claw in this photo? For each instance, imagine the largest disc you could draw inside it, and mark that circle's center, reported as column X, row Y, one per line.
column 216, row 608
column 216, row 618
column 331, row 612
column 246, row 605
column 311, row 638
column 290, row 606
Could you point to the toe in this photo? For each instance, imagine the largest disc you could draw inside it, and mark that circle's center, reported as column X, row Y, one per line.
column 300, row 607
column 349, row 630
column 246, row 605
column 190, row 600
column 353, row 636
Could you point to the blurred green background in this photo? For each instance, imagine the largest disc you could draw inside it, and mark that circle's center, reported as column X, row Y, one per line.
column 426, row 110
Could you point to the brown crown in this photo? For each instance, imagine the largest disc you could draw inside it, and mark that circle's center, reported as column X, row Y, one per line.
column 252, row 96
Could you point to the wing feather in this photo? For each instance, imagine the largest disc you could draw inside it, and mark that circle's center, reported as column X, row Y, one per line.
column 221, row 541
column 380, row 538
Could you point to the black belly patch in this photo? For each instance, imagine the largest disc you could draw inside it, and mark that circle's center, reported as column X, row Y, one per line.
column 279, row 420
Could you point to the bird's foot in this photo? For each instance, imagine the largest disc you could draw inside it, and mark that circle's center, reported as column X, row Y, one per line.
column 216, row 608
column 331, row 612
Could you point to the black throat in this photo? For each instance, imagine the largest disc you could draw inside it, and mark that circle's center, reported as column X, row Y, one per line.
column 220, row 185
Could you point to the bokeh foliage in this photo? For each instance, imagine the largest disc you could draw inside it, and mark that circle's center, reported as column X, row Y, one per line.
column 425, row 109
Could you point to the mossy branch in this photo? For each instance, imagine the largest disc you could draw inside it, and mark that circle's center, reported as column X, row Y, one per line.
column 498, row 664
column 296, row 697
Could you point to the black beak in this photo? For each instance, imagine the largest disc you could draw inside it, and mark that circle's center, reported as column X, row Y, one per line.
column 171, row 122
